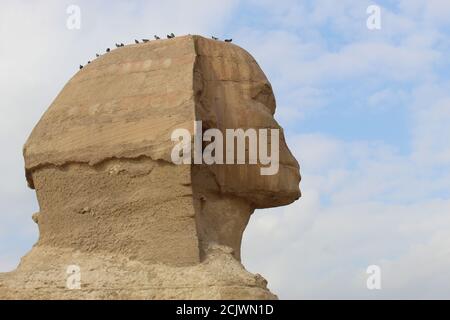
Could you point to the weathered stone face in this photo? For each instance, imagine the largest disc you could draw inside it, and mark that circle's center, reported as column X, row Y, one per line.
column 232, row 92
column 127, row 103
column 100, row 162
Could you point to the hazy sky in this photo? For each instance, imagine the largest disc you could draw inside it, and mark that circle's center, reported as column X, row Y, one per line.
column 366, row 113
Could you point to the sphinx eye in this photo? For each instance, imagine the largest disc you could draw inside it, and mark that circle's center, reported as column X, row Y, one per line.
column 265, row 96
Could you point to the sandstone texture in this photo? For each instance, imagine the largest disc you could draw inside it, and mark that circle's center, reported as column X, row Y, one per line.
column 113, row 203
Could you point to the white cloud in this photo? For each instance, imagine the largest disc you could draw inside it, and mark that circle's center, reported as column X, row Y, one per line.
column 360, row 60
column 431, row 129
column 434, row 12
column 350, row 219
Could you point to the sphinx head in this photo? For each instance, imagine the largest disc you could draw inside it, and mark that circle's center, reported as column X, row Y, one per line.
column 100, row 158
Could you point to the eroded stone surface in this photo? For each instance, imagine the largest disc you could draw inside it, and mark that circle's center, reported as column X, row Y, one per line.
column 112, row 202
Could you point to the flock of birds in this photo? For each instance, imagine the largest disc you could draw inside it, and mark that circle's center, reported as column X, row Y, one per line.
column 169, row 36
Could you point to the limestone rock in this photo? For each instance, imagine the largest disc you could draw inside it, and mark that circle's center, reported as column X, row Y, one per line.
column 113, row 203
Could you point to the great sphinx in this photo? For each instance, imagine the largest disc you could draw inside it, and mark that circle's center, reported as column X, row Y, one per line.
column 113, row 202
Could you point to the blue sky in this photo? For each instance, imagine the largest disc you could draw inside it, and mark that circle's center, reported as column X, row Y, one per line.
column 365, row 112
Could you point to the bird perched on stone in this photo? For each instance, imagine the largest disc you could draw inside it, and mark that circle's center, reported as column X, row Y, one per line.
column 108, row 49
column 156, row 37
column 228, row 40
column 97, row 55
column 135, row 41
column 81, row 67
column 117, row 45
column 145, row 40
column 214, row 38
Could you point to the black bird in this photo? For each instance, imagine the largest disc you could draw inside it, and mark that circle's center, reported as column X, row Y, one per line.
column 117, row 45
column 97, row 55
column 122, row 45
column 145, row 40
column 81, row 67
column 172, row 35
column 135, row 41
column 157, row 38
column 214, row 38
column 228, row 40
column 108, row 49
column 89, row 62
